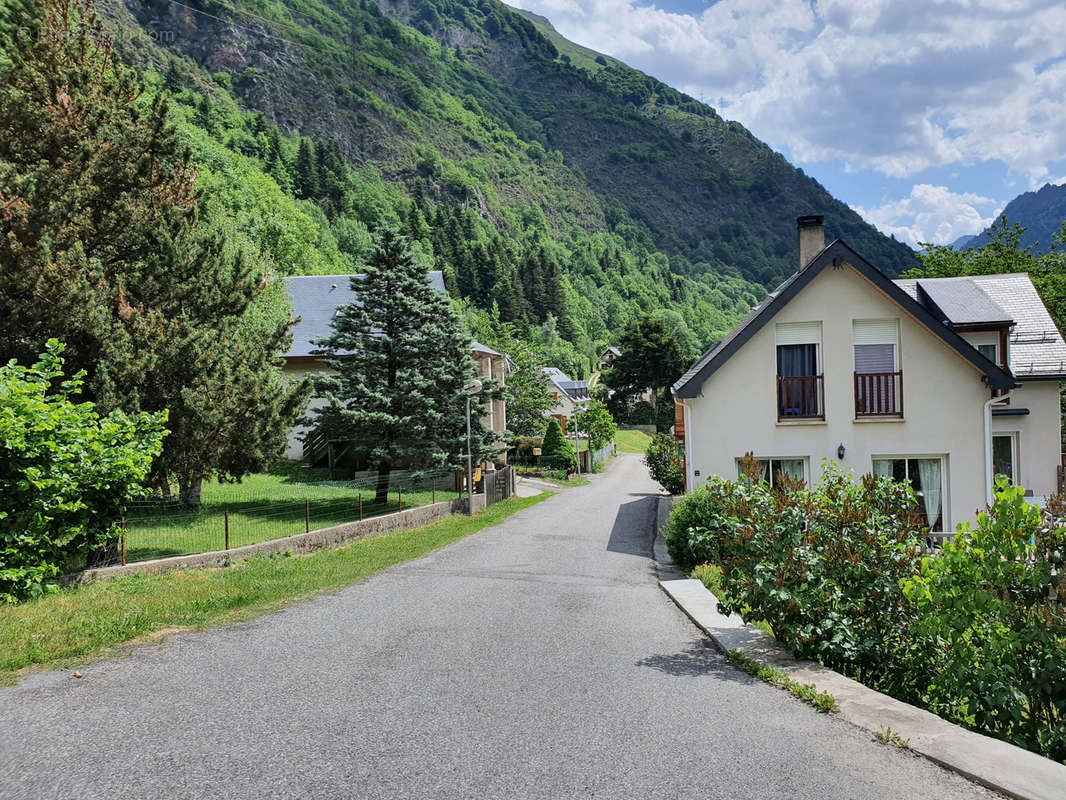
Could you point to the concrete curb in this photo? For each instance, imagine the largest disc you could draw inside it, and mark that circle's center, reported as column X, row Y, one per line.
column 990, row 762
column 333, row 536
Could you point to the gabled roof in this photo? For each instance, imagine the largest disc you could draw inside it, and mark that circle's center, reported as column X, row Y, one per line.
column 315, row 299
column 574, row 389
column 1036, row 350
column 691, row 383
column 614, row 351
column 961, row 303
column 478, row 347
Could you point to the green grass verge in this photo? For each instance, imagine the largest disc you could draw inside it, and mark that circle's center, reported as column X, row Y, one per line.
column 822, row 701
column 632, row 441
column 84, row 621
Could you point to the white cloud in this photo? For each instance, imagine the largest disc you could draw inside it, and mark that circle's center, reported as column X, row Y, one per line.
column 932, row 214
column 896, row 86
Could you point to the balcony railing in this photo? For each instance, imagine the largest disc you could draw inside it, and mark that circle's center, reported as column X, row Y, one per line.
column 800, row 397
column 878, row 394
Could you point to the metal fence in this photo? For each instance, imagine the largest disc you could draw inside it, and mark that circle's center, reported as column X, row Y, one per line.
column 158, row 528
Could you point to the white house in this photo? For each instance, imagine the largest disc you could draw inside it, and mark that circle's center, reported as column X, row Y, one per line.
column 565, row 393
column 942, row 383
column 315, row 300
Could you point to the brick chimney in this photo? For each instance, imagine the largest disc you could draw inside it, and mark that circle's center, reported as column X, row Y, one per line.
column 811, row 231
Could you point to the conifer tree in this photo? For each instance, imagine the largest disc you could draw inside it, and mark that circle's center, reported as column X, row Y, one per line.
column 102, row 248
column 401, row 360
column 304, row 174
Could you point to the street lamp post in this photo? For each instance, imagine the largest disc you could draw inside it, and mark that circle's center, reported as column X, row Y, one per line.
column 471, row 389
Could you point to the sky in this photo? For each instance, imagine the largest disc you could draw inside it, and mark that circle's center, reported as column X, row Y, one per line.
column 925, row 116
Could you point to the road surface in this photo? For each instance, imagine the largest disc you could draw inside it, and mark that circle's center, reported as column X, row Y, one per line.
column 537, row 659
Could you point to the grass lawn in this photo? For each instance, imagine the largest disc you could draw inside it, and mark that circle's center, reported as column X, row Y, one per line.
column 632, row 441
column 81, row 622
column 261, row 507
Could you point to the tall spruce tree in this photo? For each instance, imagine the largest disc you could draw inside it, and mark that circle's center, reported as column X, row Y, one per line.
column 401, row 360
column 102, row 247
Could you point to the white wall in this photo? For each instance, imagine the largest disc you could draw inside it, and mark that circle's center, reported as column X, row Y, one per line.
column 294, row 372
column 1038, row 434
column 943, row 399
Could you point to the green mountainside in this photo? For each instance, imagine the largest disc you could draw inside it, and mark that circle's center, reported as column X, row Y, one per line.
column 1041, row 213
column 544, row 179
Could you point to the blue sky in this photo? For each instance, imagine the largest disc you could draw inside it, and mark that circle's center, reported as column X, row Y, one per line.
column 926, row 116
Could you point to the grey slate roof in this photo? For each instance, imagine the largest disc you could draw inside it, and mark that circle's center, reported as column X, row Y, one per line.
column 1035, row 349
column 575, row 389
column 315, row 299
column 478, row 347
column 962, row 302
column 690, row 384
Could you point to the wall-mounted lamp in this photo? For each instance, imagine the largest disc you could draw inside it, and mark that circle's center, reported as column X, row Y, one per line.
column 840, row 451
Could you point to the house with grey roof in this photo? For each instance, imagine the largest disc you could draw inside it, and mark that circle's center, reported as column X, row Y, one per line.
column 566, row 393
column 942, row 383
column 608, row 356
column 316, row 301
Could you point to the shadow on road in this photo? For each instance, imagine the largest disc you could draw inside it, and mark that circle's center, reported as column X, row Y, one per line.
column 633, row 527
column 698, row 658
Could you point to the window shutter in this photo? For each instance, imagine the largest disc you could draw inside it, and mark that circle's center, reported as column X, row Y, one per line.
column 876, row 331
column 799, row 333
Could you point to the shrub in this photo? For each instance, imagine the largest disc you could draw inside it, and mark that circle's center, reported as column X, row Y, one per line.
column 556, row 452
column 698, row 523
column 993, row 622
column 663, row 463
column 823, row 567
column 65, row 473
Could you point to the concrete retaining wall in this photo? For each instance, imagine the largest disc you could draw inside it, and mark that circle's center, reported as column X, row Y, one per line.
column 301, row 543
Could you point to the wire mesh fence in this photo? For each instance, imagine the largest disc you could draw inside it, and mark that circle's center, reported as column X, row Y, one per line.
column 161, row 528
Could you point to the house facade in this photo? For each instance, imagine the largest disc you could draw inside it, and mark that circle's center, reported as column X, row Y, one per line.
column 939, row 383
column 567, row 394
column 315, row 300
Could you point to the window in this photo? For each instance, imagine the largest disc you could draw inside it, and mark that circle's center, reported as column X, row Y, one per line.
column 878, row 377
column 989, row 352
column 926, row 477
column 1004, row 455
column 773, row 468
column 799, row 379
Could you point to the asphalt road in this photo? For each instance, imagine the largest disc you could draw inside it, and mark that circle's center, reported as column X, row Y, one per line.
column 537, row 659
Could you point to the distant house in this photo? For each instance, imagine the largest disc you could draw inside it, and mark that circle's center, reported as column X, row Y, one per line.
column 565, row 392
column 608, row 356
column 315, row 301
column 938, row 383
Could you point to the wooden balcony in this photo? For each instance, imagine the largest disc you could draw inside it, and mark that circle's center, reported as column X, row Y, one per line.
column 800, row 397
column 878, row 394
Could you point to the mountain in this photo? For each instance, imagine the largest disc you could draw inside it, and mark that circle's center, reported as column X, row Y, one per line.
column 962, row 242
column 1041, row 213
column 591, row 190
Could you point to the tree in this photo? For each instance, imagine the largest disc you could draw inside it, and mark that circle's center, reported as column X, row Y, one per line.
column 598, row 423
column 652, row 358
column 528, row 398
column 65, row 472
column 104, row 249
column 556, row 451
column 401, row 360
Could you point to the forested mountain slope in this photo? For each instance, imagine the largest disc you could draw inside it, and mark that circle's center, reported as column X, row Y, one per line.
column 1041, row 213
column 543, row 178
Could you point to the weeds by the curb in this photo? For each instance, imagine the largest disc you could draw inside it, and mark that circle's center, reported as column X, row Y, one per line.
column 887, row 736
column 807, row 692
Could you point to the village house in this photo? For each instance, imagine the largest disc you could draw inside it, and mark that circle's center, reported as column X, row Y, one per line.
column 566, row 394
column 315, row 301
column 941, row 383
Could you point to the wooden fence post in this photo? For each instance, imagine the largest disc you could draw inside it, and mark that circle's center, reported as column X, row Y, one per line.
column 122, row 524
column 433, row 484
column 307, row 516
column 226, row 518
column 399, row 497
column 360, row 506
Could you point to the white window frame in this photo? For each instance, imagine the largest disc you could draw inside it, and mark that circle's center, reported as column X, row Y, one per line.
column 896, row 358
column 1013, row 436
column 942, row 458
column 804, row 459
column 995, row 351
column 814, row 338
